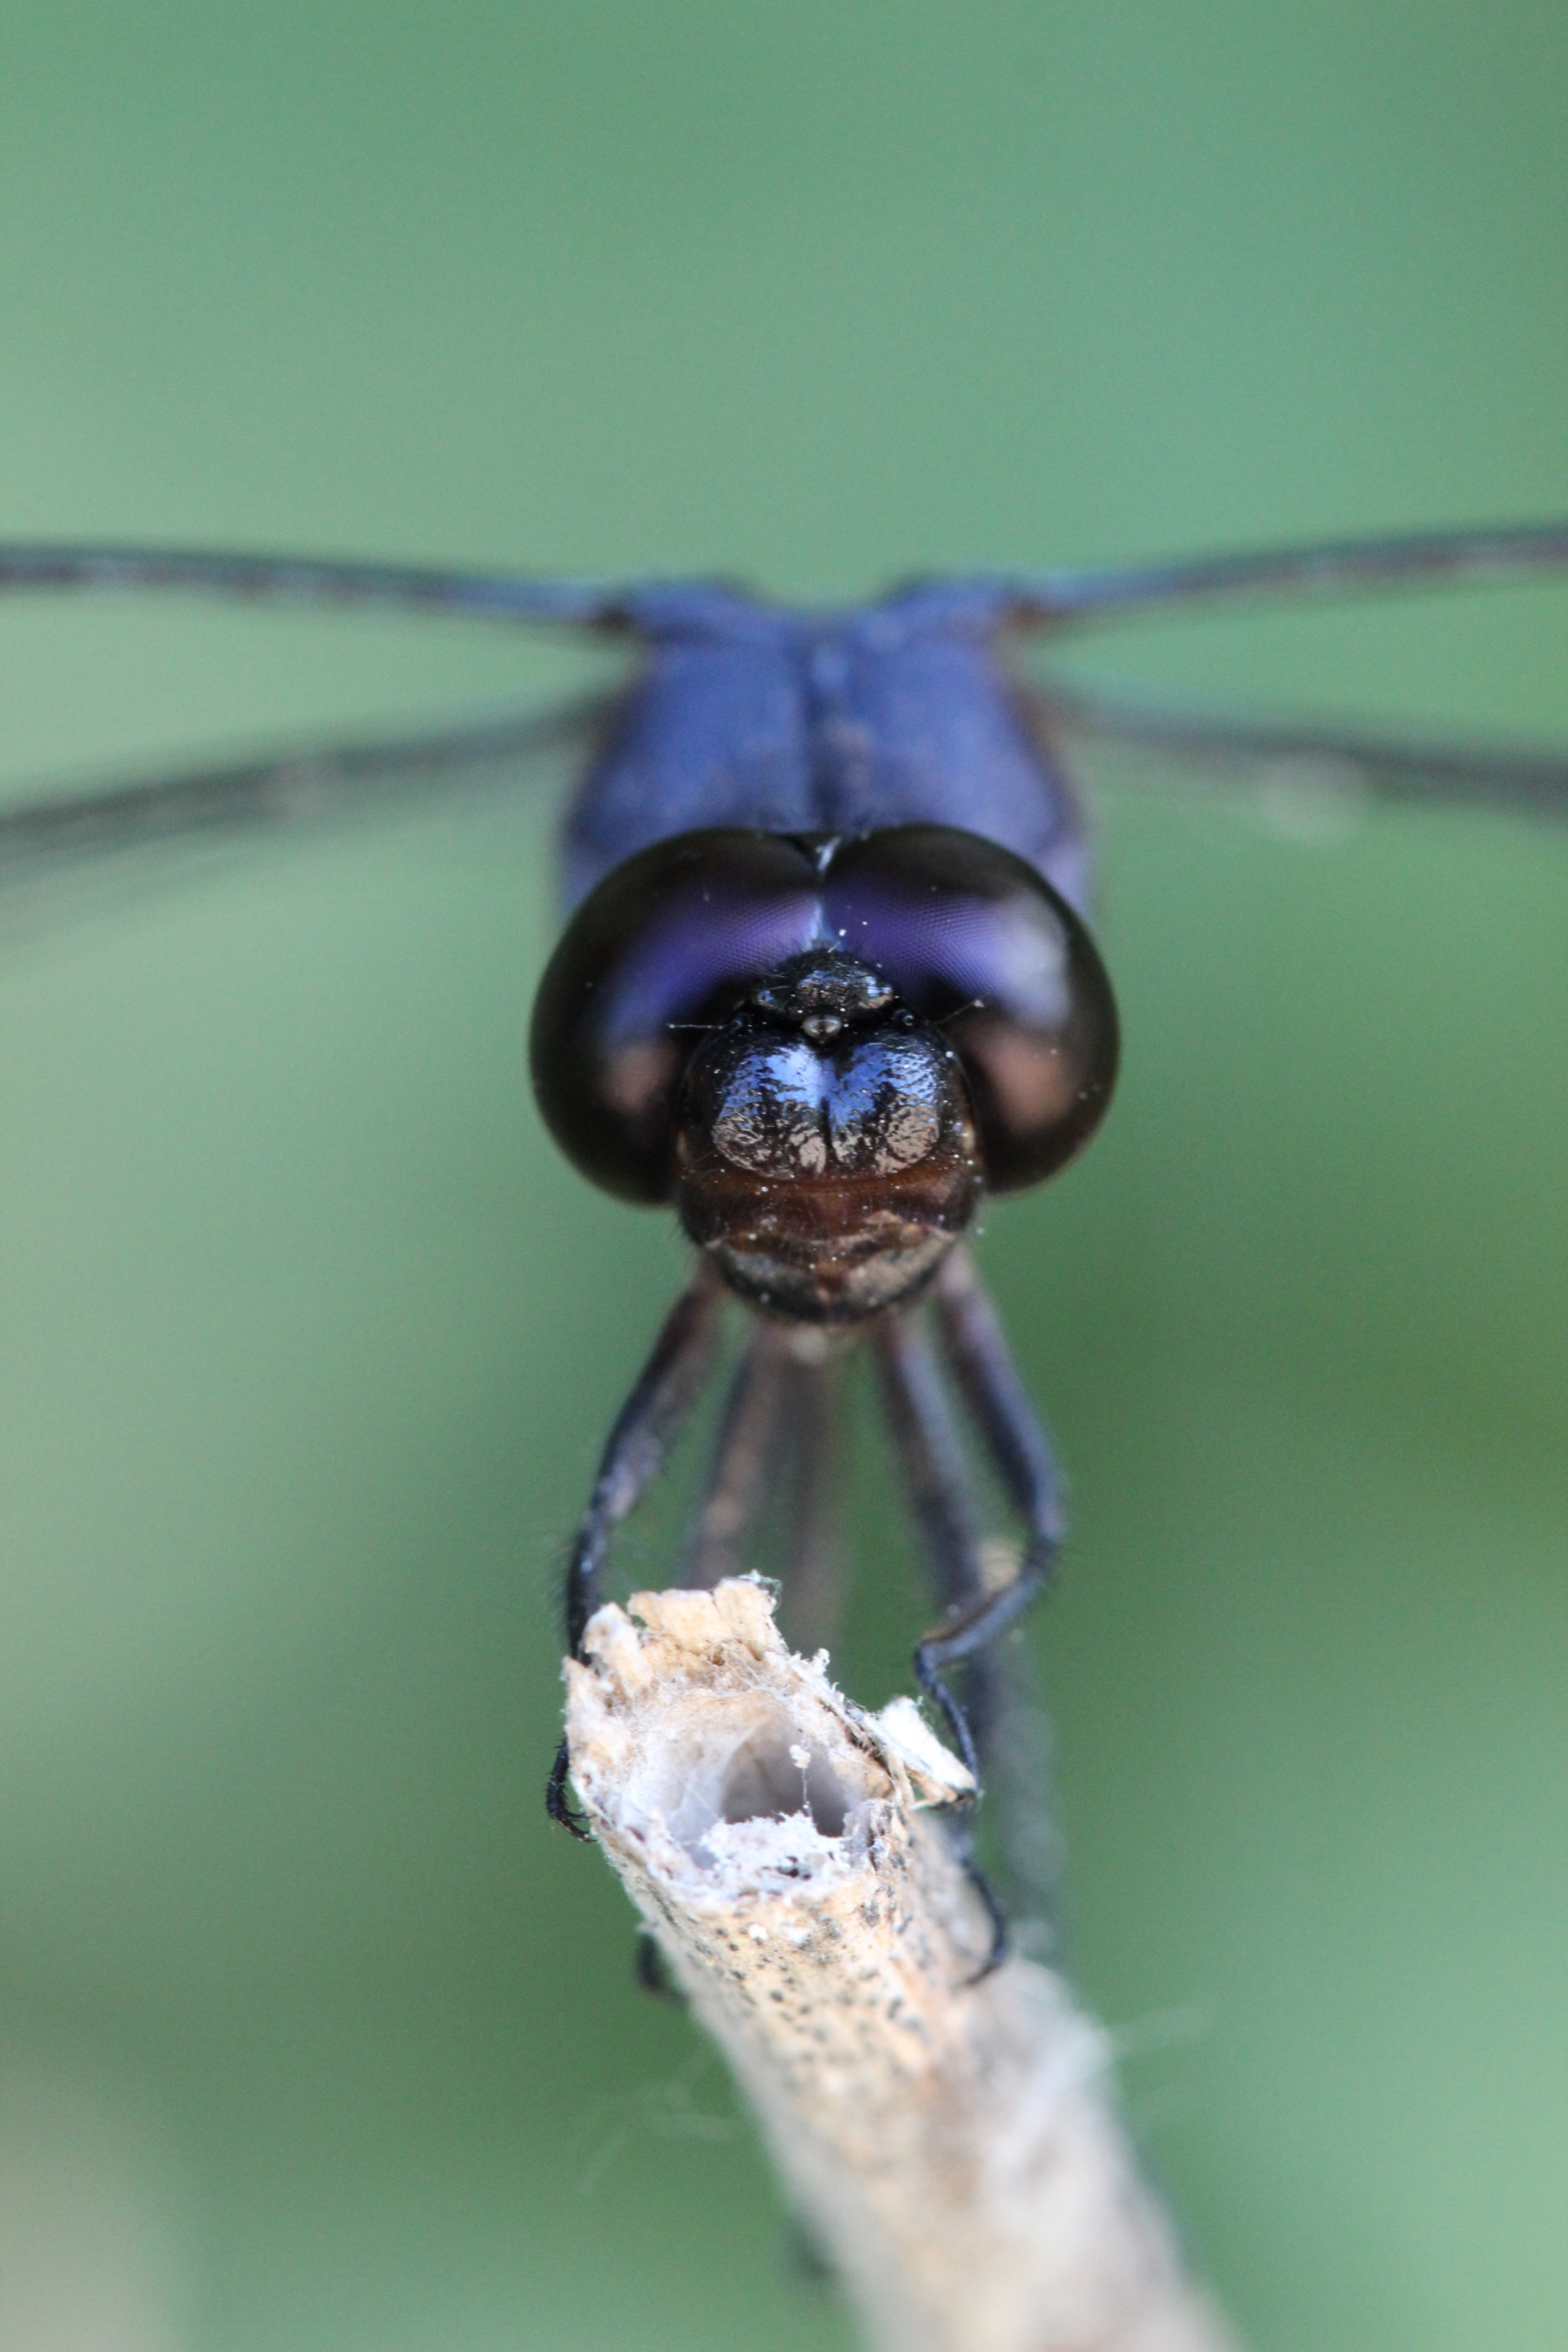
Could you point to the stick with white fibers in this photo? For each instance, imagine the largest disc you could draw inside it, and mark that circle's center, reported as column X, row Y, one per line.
column 947, row 2135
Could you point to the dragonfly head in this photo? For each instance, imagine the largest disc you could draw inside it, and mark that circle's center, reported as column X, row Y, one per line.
column 823, row 1050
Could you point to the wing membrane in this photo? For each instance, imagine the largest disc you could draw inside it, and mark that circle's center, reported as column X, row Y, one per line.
column 319, row 582
column 281, row 791
column 1391, row 767
column 1338, row 568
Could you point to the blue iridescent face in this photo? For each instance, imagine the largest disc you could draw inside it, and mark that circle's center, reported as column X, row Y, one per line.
column 823, row 1051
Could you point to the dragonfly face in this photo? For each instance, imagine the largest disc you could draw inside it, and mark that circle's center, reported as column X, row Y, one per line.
column 823, row 1048
column 827, row 1162
column 827, row 980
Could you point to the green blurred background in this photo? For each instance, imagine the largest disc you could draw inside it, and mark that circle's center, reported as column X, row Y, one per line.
column 310, row 2035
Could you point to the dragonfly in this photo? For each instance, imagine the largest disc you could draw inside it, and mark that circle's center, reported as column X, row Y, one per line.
column 827, row 982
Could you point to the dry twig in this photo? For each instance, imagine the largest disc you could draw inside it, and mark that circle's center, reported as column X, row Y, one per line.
column 949, row 2135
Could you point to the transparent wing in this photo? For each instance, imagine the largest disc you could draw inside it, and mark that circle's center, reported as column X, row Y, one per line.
column 1468, row 557
column 240, row 578
column 1473, row 556
column 279, row 791
column 1303, row 754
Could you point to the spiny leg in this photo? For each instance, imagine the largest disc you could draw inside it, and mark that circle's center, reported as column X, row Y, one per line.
column 976, row 1348
column 939, row 1487
column 944, row 1504
column 764, row 1396
column 976, row 1353
column 742, row 1458
column 1008, row 1726
column 813, row 1569
column 776, row 1451
column 1005, row 1416
column 645, row 1429
column 737, row 1479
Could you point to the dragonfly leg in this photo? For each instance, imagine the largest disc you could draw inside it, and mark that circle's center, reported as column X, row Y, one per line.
column 944, row 1499
column 977, row 1629
column 976, row 1349
column 981, row 1608
column 737, row 1481
column 743, row 1457
column 777, row 1444
column 944, row 1504
column 814, row 1568
column 645, row 1429
column 978, row 1357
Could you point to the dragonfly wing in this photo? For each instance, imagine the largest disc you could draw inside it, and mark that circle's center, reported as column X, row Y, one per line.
column 307, row 786
column 1165, row 740
column 1470, row 558
column 316, row 581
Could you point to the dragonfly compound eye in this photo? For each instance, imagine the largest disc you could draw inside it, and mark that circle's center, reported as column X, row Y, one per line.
column 823, row 1048
column 668, row 945
column 973, row 941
